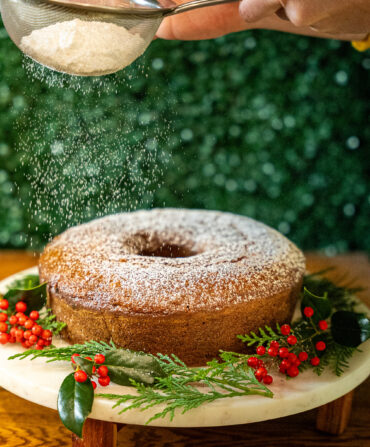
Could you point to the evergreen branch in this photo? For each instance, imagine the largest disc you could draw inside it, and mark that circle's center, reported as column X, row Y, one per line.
column 48, row 321
column 266, row 334
column 179, row 391
column 64, row 353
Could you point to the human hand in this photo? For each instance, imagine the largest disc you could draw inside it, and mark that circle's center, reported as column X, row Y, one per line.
column 334, row 17
column 215, row 21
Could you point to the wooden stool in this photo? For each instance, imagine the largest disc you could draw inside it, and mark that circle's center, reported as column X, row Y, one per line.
column 331, row 418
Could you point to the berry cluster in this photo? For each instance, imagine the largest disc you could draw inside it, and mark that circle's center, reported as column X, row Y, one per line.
column 100, row 371
column 260, row 372
column 281, row 350
column 19, row 328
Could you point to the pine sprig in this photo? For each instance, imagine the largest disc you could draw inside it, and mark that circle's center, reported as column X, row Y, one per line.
column 48, row 321
column 90, row 348
column 187, row 388
column 266, row 334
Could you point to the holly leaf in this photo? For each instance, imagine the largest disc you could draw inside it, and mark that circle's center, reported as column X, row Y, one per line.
column 320, row 304
column 26, row 282
column 125, row 365
column 85, row 364
column 350, row 328
column 34, row 296
column 74, row 403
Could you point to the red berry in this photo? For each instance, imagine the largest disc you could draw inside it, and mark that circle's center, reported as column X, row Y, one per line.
column 320, row 346
column 99, row 359
column 252, row 362
column 33, row 339
column 292, row 357
column 13, row 331
column 3, row 317
column 297, row 363
column 29, row 324
column 11, row 339
column 21, row 306
column 260, row 363
column 315, row 361
column 94, row 369
column 272, row 352
column 4, row 338
column 73, row 356
column 13, row 320
column 285, row 364
column 47, row 342
column 34, row 315
column 20, row 314
column 22, row 320
column 260, row 373
column 104, row 381
column 103, row 371
column 94, row 385
column 39, row 347
column 292, row 339
column 303, row 356
column 26, row 344
column 283, row 352
column 285, row 329
column 46, row 334
column 88, row 358
column 36, row 330
column 3, row 327
column 260, row 350
column 80, row 376
column 267, row 380
column 323, row 325
column 308, row 312
column 292, row 371
column 27, row 334
column 4, row 304
column 41, row 342
column 274, row 344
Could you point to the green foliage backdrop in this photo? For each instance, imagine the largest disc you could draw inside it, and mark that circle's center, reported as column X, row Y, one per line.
column 258, row 123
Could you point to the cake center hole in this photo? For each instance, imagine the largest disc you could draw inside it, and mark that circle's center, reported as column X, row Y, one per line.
column 167, row 251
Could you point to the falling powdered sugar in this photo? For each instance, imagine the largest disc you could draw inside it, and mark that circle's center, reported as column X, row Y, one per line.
column 84, row 48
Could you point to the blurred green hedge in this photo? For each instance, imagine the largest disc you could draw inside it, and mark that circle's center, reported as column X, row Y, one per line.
column 258, row 123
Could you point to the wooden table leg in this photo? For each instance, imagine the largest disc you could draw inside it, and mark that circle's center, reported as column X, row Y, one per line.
column 334, row 416
column 97, row 434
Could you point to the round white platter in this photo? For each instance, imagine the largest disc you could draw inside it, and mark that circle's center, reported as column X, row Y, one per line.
column 39, row 382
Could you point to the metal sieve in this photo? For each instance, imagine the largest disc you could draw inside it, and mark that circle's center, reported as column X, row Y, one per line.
column 141, row 17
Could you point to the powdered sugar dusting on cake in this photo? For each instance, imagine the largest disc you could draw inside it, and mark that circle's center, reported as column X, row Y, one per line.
column 118, row 263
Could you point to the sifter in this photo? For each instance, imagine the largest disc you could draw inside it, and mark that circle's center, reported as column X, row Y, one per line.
column 141, row 18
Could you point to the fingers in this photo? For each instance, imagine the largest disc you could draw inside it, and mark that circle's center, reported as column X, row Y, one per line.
column 204, row 23
column 254, row 10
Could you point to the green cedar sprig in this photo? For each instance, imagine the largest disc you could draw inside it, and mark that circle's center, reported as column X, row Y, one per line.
column 90, row 348
column 230, row 377
column 266, row 334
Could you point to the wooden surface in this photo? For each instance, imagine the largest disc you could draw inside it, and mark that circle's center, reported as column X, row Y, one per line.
column 334, row 416
column 96, row 434
column 30, row 425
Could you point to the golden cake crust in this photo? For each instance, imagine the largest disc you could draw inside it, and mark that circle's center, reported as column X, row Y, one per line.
column 171, row 281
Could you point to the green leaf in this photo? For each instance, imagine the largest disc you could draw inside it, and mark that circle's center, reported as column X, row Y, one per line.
column 26, row 282
column 85, row 364
column 320, row 304
column 350, row 328
column 35, row 297
column 74, row 403
column 124, row 365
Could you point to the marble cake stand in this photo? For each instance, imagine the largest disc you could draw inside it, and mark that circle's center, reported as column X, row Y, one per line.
column 39, row 382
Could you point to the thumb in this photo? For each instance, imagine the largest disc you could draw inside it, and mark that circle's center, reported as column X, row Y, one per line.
column 254, row 10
